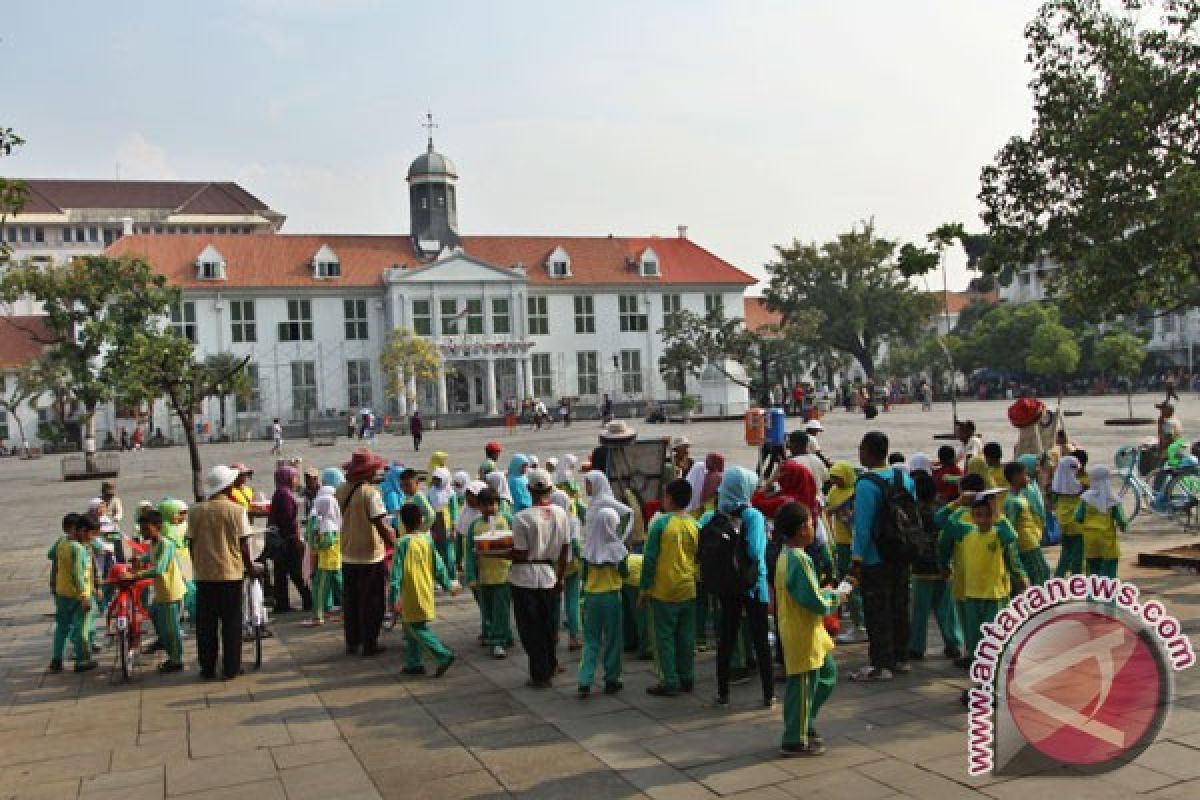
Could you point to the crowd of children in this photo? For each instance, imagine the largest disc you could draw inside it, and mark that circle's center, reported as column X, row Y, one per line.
column 638, row 588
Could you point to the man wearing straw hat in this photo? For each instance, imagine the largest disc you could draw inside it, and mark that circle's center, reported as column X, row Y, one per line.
column 366, row 537
column 218, row 529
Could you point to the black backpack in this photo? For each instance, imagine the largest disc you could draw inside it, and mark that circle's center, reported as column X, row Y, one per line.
column 898, row 526
column 925, row 561
column 724, row 556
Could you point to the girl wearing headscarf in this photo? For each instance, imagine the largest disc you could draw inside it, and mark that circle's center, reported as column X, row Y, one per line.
column 518, row 484
column 977, row 465
column 390, row 490
column 600, row 495
column 733, row 497
column 497, row 481
column 1028, row 520
column 839, row 505
column 565, row 478
column 1065, row 490
column 704, row 479
column 1098, row 515
column 174, row 516
column 289, row 552
column 604, row 568
column 444, row 502
column 920, row 462
column 438, row 459
column 572, row 580
column 487, row 574
column 326, row 525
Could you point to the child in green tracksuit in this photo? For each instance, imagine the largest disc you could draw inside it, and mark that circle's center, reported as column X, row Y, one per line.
column 801, row 606
column 1099, row 515
column 1028, row 519
column 169, row 589
column 634, row 618
column 930, row 591
column 1065, row 489
column 573, row 576
column 603, row 568
column 325, row 523
column 840, row 509
column 489, row 574
column 980, row 551
column 416, row 565
column 71, row 580
column 669, row 589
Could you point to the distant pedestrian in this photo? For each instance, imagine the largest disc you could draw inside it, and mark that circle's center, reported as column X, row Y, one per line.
column 606, row 410
column 276, row 437
column 416, row 427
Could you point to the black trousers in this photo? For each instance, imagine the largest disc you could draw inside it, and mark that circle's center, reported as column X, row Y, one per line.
column 364, row 600
column 219, row 606
column 732, row 608
column 289, row 566
column 536, row 614
column 885, row 611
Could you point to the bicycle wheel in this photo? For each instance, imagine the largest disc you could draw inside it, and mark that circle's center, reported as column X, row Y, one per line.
column 125, row 653
column 1130, row 497
column 258, row 639
column 1183, row 499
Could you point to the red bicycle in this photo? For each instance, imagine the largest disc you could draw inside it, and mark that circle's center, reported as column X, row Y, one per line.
column 125, row 617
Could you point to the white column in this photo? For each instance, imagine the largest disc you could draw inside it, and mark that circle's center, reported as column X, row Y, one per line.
column 410, row 396
column 489, row 387
column 527, row 371
column 442, row 407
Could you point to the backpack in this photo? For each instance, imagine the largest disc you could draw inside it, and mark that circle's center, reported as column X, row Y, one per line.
column 724, row 555
column 925, row 561
column 898, row 527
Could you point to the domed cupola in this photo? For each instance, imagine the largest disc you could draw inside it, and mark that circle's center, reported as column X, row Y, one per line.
column 433, row 207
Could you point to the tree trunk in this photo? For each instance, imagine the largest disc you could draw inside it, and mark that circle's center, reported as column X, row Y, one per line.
column 187, row 419
column 1129, row 397
column 20, row 432
column 88, row 432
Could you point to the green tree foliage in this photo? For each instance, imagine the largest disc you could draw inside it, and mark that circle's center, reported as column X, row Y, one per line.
column 1052, row 353
column 162, row 364
column 857, row 286
column 1107, row 184
column 13, row 192
column 1002, row 338
column 1123, row 353
column 94, row 308
column 408, row 357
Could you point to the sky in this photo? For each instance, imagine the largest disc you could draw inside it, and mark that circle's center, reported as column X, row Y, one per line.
column 753, row 122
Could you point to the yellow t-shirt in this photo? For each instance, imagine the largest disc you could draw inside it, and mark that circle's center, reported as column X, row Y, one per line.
column 981, row 554
column 169, row 585
column 602, row 578
column 633, row 565
column 329, row 553
column 72, row 570
column 1099, row 533
column 1064, row 509
column 416, row 589
column 671, row 544
column 491, row 570
column 801, row 630
column 998, row 479
column 1029, row 531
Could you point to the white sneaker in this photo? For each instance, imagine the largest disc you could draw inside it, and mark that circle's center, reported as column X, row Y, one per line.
column 498, row 652
column 850, row 636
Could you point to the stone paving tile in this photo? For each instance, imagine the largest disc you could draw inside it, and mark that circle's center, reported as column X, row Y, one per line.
column 343, row 778
column 528, row 766
column 414, row 766
column 297, row 755
column 908, row 779
column 835, row 785
column 475, row 785
column 740, row 774
column 51, row 790
column 57, row 768
column 692, row 749
column 198, row 774
column 1185, row 790
column 205, row 742
column 258, row 790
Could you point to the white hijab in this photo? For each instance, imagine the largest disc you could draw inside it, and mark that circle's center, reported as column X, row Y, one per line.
column 498, row 482
column 327, row 511
column 919, row 462
column 603, row 544
column 1066, row 478
column 439, row 496
column 600, row 495
column 1100, row 495
column 563, row 500
column 695, row 478
column 565, row 472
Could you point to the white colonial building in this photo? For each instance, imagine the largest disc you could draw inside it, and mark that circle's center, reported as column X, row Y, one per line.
column 513, row 316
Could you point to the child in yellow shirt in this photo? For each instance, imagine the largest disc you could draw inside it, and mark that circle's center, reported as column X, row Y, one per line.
column 603, row 569
column 489, row 573
column 169, row 589
column 840, row 509
column 669, row 589
column 416, row 566
column 800, row 607
column 1099, row 515
column 71, row 580
column 325, row 540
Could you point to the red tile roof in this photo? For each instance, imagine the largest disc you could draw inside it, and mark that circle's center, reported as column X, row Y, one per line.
column 957, row 301
column 757, row 316
column 184, row 197
column 19, row 340
column 285, row 260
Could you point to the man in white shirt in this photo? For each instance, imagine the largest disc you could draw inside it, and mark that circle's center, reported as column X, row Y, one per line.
column 541, row 542
column 971, row 442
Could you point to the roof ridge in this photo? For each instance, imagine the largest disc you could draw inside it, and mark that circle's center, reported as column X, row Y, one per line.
column 179, row 208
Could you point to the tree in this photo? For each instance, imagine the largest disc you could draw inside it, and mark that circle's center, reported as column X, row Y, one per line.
column 1052, row 353
column 1001, row 339
column 236, row 385
column 163, row 364
column 13, row 192
column 94, row 309
column 1123, row 353
column 20, row 388
column 857, row 286
column 408, row 358
column 1107, row 185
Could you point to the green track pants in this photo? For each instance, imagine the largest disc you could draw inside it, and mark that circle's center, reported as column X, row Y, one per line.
column 673, row 628
column 71, row 621
column 803, row 697
column 602, row 637
column 933, row 595
column 418, row 636
column 166, row 627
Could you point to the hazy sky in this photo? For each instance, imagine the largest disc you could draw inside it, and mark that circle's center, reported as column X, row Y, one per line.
column 750, row 122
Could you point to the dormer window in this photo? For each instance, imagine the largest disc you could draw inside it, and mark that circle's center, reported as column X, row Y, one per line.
column 210, row 265
column 558, row 264
column 649, row 263
column 326, row 264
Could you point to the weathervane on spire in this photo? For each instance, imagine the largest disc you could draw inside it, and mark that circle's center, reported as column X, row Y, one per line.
column 429, row 125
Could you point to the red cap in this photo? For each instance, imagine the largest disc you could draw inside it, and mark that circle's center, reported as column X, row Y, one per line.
column 492, row 447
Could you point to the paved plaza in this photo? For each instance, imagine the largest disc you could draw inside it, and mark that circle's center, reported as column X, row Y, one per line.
column 314, row 723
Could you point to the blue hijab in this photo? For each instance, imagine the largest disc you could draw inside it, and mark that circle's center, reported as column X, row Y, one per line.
column 518, row 484
column 332, row 476
column 393, row 495
column 737, row 485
